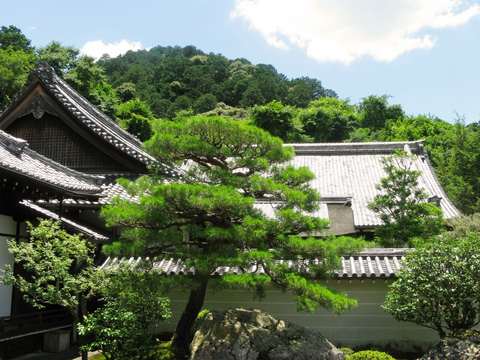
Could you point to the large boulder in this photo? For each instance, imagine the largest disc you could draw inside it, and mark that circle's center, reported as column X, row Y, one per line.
column 239, row 334
column 463, row 345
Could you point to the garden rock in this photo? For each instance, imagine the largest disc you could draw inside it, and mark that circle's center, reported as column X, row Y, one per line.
column 463, row 345
column 239, row 334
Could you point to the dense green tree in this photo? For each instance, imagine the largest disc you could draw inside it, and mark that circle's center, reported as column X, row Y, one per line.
column 401, row 204
column 60, row 57
column 209, row 217
column 15, row 66
column 279, row 120
column 138, row 125
column 12, row 37
column 375, row 111
column 438, row 286
column 303, row 90
column 181, row 103
column 252, row 96
column 170, row 72
column 136, row 117
column 134, row 106
column 328, row 119
column 272, row 85
column 456, row 157
column 204, row 103
column 85, row 76
column 409, row 128
column 126, row 91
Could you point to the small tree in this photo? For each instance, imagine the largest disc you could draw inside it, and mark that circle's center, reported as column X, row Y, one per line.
column 124, row 327
column 439, row 284
column 60, row 269
column 401, row 204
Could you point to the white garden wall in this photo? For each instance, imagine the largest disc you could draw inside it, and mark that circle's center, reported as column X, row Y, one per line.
column 366, row 326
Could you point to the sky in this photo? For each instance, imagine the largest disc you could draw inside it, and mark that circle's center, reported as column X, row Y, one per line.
column 424, row 54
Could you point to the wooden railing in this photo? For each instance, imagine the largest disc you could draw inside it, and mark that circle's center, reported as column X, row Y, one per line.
column 16, row 326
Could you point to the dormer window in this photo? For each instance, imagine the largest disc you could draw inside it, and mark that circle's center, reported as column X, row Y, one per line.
column 435, row 200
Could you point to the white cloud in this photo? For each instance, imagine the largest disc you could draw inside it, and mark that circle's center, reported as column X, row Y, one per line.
column 333, row 30
column 97, row 48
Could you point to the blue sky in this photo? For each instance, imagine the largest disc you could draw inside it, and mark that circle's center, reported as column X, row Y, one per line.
column 423, row 53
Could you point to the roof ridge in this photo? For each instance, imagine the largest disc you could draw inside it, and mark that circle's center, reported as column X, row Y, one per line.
column 387, row 147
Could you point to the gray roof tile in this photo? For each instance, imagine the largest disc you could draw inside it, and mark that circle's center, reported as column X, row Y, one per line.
column 353, row 170
column 373, row 263
column 67, row 222
column 16, row 157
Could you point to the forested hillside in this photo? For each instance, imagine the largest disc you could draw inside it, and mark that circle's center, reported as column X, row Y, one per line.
column 166, row 82
column 170, row 79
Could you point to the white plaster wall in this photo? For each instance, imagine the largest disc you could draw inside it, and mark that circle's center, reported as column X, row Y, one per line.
column 7, row 226
column 366, row 326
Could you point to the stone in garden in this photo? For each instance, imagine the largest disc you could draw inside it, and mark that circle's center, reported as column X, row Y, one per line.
column 239, row 334
column 464, row 345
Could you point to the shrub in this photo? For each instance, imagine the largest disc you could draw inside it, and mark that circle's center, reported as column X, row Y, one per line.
column 346, row 351
column 438, row 286
column 123, row 327
column 370, row 355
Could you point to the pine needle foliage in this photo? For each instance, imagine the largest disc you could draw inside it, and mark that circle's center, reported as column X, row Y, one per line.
column 211, row 218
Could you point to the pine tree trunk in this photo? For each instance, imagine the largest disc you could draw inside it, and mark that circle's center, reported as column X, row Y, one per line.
column 183, row 334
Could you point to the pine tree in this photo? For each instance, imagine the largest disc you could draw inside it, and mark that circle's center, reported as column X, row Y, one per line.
column 212, row 216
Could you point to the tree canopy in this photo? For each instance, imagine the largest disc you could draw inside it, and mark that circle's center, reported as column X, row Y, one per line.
column 165, row 76
column 212, row 216
column 12, row 37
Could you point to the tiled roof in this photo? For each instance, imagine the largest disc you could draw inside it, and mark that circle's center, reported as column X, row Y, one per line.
column 17, row 158
column 373, row 263
column 353, row 169
column 87, row 114
column 347, row 173
column 108, row 189
column 90, row 234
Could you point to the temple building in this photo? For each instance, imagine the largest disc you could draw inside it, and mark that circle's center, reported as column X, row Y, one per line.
column 60, row 157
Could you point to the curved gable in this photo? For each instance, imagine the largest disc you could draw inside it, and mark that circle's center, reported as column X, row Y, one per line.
column 64, row 125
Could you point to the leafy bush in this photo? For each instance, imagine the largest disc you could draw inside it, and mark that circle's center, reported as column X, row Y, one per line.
column 346, row 351
column 438, row 286
column 370, row 355
column 122, row 328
